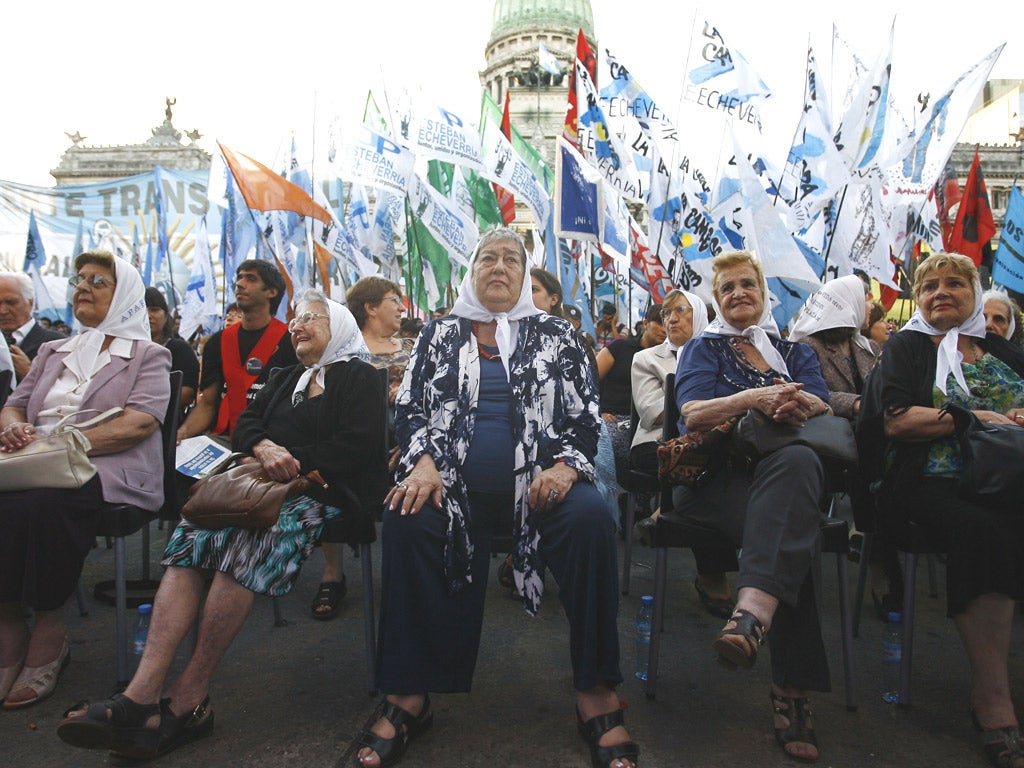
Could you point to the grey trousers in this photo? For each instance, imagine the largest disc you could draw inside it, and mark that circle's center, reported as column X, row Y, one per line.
column 773, row 514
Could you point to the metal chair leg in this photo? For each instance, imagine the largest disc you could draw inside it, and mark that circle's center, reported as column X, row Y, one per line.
column 80, row 599
column 627, row 534
column 121, row 611
column 846, row 624
column 866, row 547
column 907, row 653
column 657, row 621
column 369, row 626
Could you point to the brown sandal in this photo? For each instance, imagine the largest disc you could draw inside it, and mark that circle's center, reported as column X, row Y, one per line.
column 746, row 626
column 796, row 709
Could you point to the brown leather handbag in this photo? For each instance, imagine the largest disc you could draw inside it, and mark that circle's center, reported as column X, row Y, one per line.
column 240, row 496
column 692, row 458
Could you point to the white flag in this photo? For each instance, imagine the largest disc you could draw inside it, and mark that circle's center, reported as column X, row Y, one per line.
column 200, row 305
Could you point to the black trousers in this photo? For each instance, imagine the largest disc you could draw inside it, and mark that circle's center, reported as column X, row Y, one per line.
column 429, row 638
column 773, row 514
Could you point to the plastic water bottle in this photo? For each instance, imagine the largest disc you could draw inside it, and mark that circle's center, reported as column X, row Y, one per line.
column 643, row 635
column 141, row 628
column 892, row 654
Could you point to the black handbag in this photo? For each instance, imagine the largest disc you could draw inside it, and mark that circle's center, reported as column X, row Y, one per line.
column 992, row 456
column 831, row 437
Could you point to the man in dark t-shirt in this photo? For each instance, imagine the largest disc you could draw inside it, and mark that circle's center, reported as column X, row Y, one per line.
column 238, row 360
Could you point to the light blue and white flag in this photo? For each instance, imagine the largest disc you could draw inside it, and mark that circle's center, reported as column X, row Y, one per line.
column 440, row 134
column 861, row 131
column 547, row 60
column 602, row 146
column 358, row 218
column 456, row 232
column 200, row 305
column 504, row 166
column 720, row 79
column 35, row 261
column 815, row 171
column 377, row 161
column 1008, row 268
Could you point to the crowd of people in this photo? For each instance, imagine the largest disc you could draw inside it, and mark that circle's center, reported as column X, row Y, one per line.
column 488, row 429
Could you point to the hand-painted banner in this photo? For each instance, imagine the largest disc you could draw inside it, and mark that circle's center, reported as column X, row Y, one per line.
column 376, row 160
column 443, row 135
column 454, row 231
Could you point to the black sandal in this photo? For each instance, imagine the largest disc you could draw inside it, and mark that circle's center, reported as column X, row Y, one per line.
column 796, row 709
column 96, row 729
column 745, row 625
column 719, row 607
column 407, row 727
column 1003, row 746
column 173, row 732
column 593, row 729
column 329, row 596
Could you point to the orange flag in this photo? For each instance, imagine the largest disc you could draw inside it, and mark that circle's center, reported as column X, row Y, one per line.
column 265, row 190
column 323, row 261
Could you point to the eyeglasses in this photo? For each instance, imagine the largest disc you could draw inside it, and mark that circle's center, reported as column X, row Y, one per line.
column 676, row 311
column 96, row 281
column 304, row 319
column 396, row 299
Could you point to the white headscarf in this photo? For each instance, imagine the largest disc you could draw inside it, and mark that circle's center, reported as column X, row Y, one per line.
column 757, row 334
column 839, row 303
column 126, row 318
column 345, row 343
column 468, row 306
column 949, row 358
column 994, row 295
column 699, row 316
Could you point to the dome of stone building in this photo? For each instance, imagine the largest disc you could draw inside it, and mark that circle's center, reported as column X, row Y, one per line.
column 519, row 15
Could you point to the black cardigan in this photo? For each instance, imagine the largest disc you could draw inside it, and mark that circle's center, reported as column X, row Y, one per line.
column 905, row 377
column 348, row 447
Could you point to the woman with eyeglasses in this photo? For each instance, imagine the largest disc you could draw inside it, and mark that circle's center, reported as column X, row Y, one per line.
column 321, row 419
column 376, row 304
column 45, row 534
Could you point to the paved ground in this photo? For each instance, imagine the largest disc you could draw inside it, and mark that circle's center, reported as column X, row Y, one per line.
column 297, row 695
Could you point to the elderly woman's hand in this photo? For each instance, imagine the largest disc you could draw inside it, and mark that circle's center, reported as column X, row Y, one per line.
column 551, row 486
column 278, row 462
column 1016, row 416
column 411, row 493
column 16, row 436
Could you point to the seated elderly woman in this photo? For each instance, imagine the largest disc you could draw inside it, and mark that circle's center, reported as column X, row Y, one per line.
column 944, row 353
column 771, row 511
column 497, row 420
column 832, row 323
column 1002, row 316
column 684, row 316
column 45, row 534
column 322, row 418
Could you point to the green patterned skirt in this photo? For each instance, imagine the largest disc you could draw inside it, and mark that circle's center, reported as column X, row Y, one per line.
column 264, row 560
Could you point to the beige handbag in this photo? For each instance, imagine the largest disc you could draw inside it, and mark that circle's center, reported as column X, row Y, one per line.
column 57, row 460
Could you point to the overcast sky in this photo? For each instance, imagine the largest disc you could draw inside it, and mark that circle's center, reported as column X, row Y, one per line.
column 248, row 74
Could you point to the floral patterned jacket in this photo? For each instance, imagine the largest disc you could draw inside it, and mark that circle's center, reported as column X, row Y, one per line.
column 554, row 418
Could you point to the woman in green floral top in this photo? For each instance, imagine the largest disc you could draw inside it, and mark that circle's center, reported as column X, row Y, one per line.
column 943, row 354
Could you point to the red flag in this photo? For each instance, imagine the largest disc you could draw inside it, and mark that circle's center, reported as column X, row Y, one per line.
column 265, row 190
column 506, row 200
column 585, row 54
column 974, row 227
column 323, row 263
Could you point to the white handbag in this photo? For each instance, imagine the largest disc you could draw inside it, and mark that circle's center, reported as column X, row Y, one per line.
column 58, row 460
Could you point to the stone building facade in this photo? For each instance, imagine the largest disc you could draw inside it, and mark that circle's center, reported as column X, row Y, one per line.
column 82, row 164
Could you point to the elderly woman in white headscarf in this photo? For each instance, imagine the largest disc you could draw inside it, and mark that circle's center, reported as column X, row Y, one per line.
column 944, row 353
column 770, row 510
column 45, row 534
column 497, row 421
column 1001, row 314
column 830, row 323
column 324, row 419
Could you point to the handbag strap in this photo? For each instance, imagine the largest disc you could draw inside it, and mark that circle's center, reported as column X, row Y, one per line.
column 64, row 424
